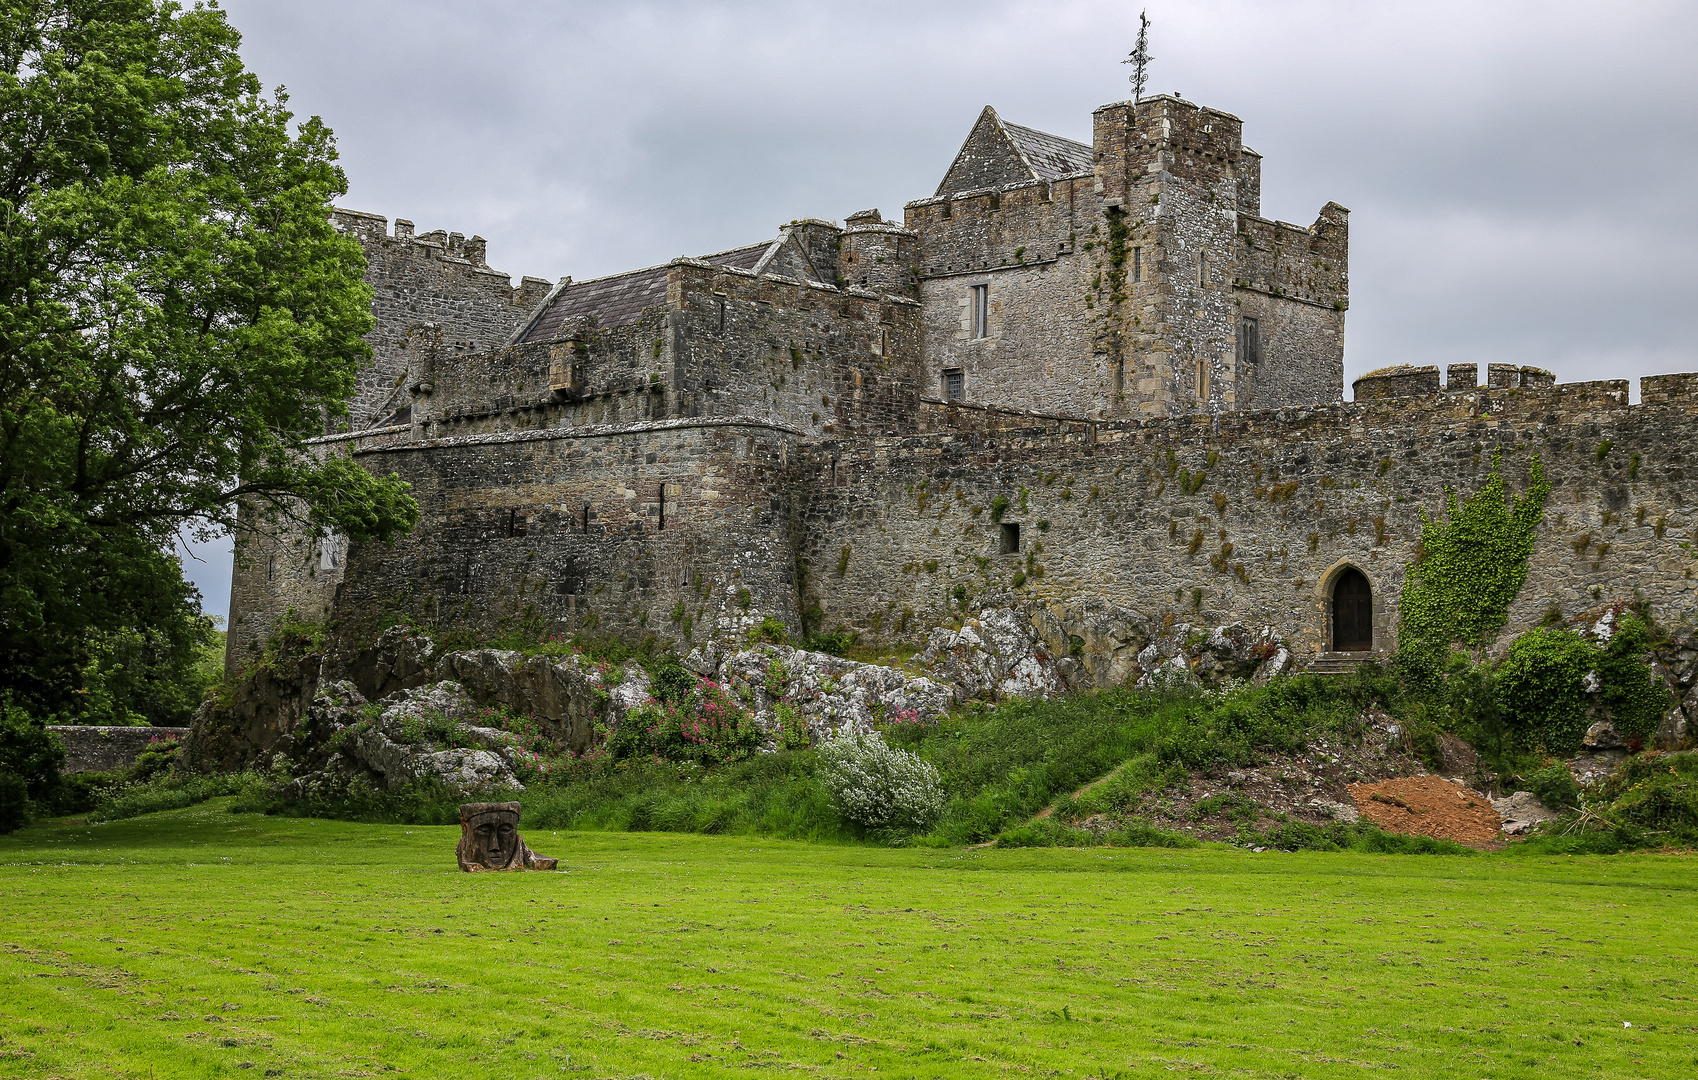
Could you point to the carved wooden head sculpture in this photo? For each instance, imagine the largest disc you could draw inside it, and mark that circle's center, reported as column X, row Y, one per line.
column 489, row 839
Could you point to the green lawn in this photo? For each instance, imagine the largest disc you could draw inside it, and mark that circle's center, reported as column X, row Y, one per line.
column 201, row 943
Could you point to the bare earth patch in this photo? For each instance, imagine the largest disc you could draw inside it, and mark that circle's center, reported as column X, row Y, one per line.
column 1429, row 806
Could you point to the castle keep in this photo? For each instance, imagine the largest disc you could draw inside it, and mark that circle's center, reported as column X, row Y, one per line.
column 1090, row 382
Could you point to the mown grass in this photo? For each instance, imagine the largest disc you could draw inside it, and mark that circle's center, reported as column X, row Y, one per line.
column 200, row 943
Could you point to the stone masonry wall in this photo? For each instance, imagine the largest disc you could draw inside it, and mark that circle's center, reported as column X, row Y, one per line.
column 1024, row 244
column 1250, row 516
column 433, row 295
column 680, row 529
column 724, row 344
column 103, row 749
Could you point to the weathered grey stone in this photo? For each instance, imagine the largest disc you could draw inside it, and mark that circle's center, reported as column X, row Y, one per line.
column 91, row 748
column 997, row 655
column 832, row 695
column 1521, row 811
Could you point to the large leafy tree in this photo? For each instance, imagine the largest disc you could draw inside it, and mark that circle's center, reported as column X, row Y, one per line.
column 177, row 318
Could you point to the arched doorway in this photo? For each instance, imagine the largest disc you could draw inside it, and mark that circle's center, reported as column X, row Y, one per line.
column 1352, row 612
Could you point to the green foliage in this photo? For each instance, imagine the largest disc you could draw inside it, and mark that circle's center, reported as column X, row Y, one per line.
column 1636, row 699
column 30, row 760
column 999, row 507
column 1555, row 786
column 1552, row 679
column 173, row 791
column 701, row 723
column 1469, row 568
column 156, row 675
column 1004, row 766
column 1047, row 832
column 770, row 630
column 1541, row 687
column 177, row 317
column 1659, row 793
column 839, row 642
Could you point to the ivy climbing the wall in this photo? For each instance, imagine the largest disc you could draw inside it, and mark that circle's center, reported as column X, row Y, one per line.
column 1468, row 569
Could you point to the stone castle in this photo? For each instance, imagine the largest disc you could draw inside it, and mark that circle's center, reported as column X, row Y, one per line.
column 1091, row 384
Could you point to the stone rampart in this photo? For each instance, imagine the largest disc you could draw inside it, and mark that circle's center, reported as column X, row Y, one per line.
column 679, row 529
column 102, row 749
column 1248, row 517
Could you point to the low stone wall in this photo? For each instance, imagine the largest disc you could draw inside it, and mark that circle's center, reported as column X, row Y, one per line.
column 102, row 749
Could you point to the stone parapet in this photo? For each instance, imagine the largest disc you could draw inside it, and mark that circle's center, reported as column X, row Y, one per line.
column 89, row 748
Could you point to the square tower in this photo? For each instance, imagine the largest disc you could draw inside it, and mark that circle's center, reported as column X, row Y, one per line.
column 1131, row 277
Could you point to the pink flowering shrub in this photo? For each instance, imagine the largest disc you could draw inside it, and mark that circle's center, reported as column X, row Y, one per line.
column 705, row 724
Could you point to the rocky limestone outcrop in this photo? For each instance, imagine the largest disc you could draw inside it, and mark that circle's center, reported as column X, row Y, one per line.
column 832, row 695
column 1521, row 811
column 1033, row 650
column 419, row 734
column 567, row 695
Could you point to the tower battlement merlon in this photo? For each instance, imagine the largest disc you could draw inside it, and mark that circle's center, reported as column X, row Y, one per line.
column 434, row 297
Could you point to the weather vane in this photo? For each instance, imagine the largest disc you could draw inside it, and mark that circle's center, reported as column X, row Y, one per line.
column 1140, row 58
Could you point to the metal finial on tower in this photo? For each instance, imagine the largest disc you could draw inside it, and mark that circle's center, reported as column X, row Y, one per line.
column 1140, row 59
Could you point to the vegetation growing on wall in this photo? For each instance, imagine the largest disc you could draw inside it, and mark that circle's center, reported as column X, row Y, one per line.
column 1556, row 682
column 1468, row 568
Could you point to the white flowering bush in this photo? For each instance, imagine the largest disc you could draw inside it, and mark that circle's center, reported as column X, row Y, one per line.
column 880, row 787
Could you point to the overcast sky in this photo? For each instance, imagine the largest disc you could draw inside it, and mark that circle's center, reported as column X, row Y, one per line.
column 1518, row 174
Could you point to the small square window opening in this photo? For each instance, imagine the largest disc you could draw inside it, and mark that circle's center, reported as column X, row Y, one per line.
column 1010, row 538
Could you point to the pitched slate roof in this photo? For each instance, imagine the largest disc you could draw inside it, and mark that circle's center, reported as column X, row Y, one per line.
column 1050, row 156
column 620, row 299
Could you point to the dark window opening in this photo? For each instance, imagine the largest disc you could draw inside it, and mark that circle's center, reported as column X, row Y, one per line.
column 981, row 311
column 1249, row 342
column 947, row 211
column 1010, row 538
column 271, row 568
column 660, row 519
column 586, row 517
column 1137, row 265
column 1352, row 613
column 954, row 386
column 722, row 314
column 516, row 524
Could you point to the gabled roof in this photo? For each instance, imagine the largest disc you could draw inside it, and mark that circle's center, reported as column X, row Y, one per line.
column 997, row 153
column 619, row 300
column 1050, row 156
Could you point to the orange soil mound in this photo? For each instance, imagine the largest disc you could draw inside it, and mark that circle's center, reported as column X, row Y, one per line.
column 1428, row 806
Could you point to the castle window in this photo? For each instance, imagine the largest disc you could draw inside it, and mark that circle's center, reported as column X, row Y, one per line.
column 1137, row 265
column 981, row 311
column 1010, row 538
column 722, row 314
column 586, row 517
column 271, row 568
column 660, row 517
column 954, row 385
column 1202, row 268
column 1202, row 380
column 1249, row 342
column 330, row 552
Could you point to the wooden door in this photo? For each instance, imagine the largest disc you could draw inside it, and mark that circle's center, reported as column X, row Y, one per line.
column 1352, row 613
